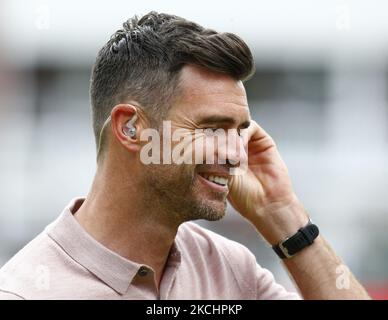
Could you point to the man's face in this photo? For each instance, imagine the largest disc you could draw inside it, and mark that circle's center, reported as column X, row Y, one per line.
column 199, row 190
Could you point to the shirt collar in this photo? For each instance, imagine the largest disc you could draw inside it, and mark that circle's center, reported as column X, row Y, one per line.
column 114, row 270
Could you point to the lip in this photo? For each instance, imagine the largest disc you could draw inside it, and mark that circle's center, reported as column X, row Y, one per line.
column 215, row 173
column 212, row 185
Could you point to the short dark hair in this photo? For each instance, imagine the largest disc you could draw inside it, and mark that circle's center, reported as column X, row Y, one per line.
column 142, row 62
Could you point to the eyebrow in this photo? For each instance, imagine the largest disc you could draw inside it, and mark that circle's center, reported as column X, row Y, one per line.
column 223, row 119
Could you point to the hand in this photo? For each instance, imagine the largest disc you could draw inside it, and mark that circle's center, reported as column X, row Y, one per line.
column 264, row 193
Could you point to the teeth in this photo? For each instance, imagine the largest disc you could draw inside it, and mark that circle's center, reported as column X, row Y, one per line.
column 217, row 179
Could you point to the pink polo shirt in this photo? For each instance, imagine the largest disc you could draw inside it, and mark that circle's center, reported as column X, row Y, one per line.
column 65, row 262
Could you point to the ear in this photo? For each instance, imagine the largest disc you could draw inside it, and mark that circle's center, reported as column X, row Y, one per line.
column 120, row 115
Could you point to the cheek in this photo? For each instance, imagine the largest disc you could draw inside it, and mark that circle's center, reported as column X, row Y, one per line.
column 203, row 148
column 176, row 174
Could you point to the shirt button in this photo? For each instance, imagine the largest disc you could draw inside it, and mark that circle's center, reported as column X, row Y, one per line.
column 143, row 271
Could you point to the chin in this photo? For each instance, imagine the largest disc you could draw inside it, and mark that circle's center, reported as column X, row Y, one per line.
column 211, row 210
column 215, row 217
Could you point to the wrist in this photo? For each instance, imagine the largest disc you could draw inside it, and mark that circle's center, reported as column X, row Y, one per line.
column 280, row 220
column 292, row 245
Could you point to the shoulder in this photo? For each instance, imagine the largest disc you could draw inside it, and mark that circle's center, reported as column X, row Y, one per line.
column 31, row 272
column 12, row 274
column 6, row 295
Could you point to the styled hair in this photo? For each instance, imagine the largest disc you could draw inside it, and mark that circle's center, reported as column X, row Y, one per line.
column 142, row 62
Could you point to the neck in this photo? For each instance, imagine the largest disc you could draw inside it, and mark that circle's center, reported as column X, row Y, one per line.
column 121, row 219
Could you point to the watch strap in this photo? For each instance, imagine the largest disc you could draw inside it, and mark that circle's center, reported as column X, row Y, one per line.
column 302, row 239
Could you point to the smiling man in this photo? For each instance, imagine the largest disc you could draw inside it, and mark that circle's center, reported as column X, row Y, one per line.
column 132, row 237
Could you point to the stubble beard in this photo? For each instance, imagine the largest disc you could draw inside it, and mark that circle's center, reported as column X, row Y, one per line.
column 174, row 190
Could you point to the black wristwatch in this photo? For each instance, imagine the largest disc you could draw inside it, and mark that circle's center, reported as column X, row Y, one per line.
column 300, row 240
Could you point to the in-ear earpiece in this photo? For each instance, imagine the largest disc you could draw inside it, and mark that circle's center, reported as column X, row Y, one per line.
column 129, row 129
column 132, row 132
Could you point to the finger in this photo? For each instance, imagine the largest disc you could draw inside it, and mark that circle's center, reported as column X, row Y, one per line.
column 256, row 132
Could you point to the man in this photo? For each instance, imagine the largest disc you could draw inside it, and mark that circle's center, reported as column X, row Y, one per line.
column 132, row 237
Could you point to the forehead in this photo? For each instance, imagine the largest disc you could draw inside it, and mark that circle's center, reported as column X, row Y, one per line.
column 205, row 92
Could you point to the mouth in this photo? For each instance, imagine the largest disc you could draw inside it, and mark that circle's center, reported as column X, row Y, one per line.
column 214, row 181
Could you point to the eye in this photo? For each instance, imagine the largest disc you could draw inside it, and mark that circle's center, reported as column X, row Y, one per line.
column 210, row 129
column 243, row 128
